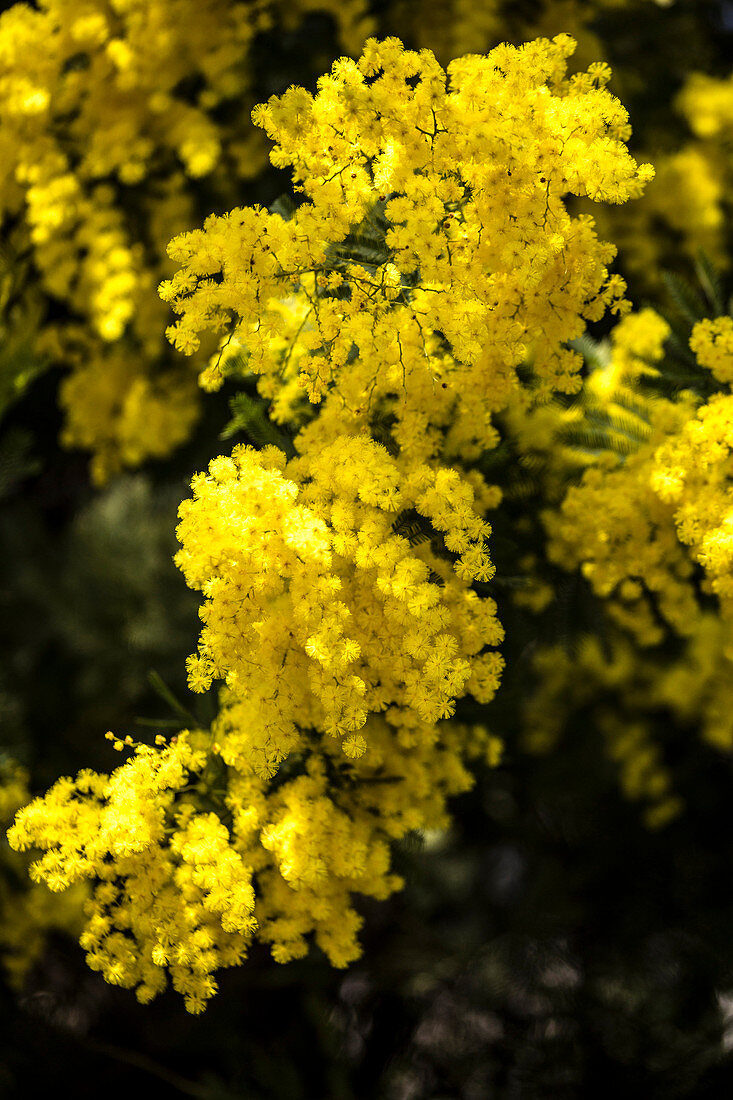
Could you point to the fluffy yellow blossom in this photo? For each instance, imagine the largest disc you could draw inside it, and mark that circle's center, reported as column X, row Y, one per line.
column 433, row 251
column 637, row 347
column 169, row 890
column 622, row 535
column 707, row 103
column 692, row 475
column 181, row 890
column 649, row 526
column 91, row 103
column 615, row 525
column 123, row 413
column 28, row 910
column 712, row 343
column 318, row 612
column 102, row 150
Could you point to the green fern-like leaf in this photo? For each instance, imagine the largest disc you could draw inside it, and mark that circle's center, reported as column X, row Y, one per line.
column 411, row 526
column 366, row 243
column 686, row 299
column 248, row 417
column 285, row 206
column 595, row 441
column 20, row 319
column 711, row 283
column 595, row 353
column 16, row 460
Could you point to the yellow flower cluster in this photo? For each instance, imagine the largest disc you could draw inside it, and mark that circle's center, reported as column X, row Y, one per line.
column 28, row 912
column 614, row 525
column 174, row 880
column 102, row 147
column 649, row 527
column 123, row 414
column 637, row 347
column 692, row 475
column 712, row 343
column 91, row 104
column 433, row 246
column 707, row 103
column 318, row 613
column 169, row 890
column 629, row 553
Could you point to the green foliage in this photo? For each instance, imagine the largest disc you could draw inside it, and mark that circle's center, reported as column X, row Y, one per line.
column 249, row 418
column 20, row 319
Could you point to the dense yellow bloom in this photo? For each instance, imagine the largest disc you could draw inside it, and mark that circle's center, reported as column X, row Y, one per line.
column 470, row 260
column 180, row 892
column 637, row 347
column 90, row 104
column 28, row 911
column 169, row 890
column 622, row 536
column 102, row 147
column 692, row 473
column 650, row 527
column 712, row 343
column 122, row 413
column 707, row 103
column 319, row 613
column 614, row 525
